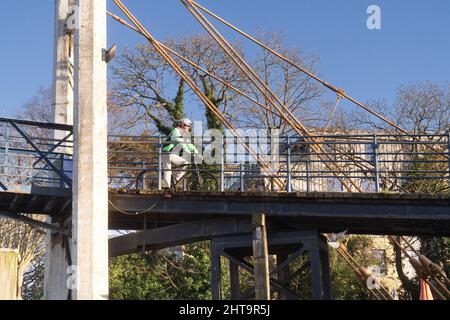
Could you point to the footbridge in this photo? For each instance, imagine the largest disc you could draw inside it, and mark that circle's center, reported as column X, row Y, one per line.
column 396, row 172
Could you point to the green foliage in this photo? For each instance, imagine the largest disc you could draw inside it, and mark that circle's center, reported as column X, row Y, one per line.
column 212, row 120
column 422, row 169
column 162, row 275
column 175, row 110
column 436, row 249
column 441, row 254
column 345, row 284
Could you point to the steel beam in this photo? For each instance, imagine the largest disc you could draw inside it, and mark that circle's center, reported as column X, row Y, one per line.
column 234, row 280
column 177, row 235
column 216, row 273
column 34, row 223
column 328, row 212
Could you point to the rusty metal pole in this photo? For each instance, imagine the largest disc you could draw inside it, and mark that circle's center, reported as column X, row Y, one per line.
column 260, row 257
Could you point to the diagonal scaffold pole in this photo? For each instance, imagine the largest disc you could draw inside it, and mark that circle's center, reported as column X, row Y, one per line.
column 264, row 89
column 363, row 274
column 378, row 295
column 191, row 83
column 219, row 79
column 224, row 82
column 196, row 66
column 202, row 69
column 421, row 270
column 339, row 92
column 438, row 271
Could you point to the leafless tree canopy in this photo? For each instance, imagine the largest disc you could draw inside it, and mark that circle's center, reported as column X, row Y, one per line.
column 30, row 242
column 151, row 96
column 298, row 92
column 419, row 109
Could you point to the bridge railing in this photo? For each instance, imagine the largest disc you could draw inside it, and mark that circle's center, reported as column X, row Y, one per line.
column 365, row 162
column 32, row 155
column 39, row 155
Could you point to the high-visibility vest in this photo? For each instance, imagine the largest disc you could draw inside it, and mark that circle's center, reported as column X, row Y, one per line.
column 177, row 138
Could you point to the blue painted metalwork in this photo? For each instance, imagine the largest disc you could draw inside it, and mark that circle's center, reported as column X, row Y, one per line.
column 30, row 158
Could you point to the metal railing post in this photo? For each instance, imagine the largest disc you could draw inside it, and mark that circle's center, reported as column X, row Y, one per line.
column 289, row 172
column 159, row 163
column 308, row 176
column 448, row 149
column 222, row 170
column 308, row 166
column 143, row 176
column 7, row 138
column 375, row 159
column 241, row 176
column 61, row 182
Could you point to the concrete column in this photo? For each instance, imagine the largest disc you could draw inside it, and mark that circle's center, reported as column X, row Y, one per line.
column 55, row 287
column 62, row 68
column 261, row 257
column 90, row 188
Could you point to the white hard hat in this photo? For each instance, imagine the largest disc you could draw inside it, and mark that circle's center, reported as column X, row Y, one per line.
column 185, row 122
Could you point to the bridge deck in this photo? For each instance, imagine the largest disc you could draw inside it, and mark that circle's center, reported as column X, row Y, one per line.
column 327, row 212
column 415, row 214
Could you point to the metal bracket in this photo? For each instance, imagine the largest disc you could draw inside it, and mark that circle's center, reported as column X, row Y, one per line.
column 41, row 154
column 110, row 54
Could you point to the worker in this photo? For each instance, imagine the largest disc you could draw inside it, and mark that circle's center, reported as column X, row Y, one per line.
column 179, row 140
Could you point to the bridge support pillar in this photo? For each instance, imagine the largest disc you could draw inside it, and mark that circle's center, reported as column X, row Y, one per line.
column 216, row 273
column 234, row 281
column 55, row 287
column 90, row 189
column 289, row 247
column 57, row 264
column 260, row 257
column 283, row 274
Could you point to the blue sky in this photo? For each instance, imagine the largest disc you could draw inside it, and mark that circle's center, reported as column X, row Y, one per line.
column 413, row 45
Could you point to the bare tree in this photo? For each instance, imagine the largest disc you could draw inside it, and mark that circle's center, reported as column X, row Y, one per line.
column 297, row 91
column 147, row 88
column 206, row 53
column 39, row 108
column 30, row 242
column 421, row 108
